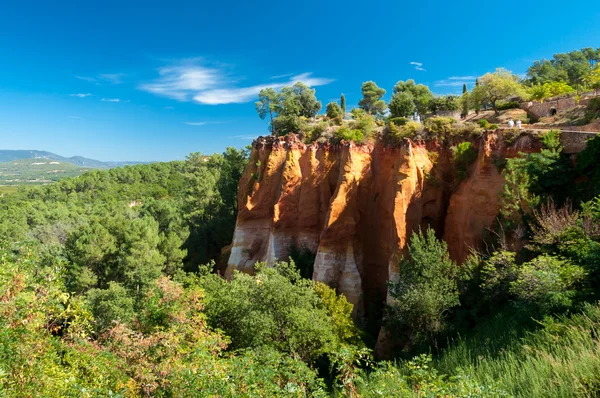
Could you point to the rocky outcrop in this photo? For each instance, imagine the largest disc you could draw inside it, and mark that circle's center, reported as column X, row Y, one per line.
column 355, row 207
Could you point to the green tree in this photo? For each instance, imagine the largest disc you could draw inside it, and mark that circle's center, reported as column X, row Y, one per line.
column 426, row 287
column 465, row 88
column 278, row 309
column 540, row 92
column 547, row 282
column 497, row 86
column 333, row 110
column 592, row 79
column 267, row 104
column 343, row 105
column 421, row 95
column 402, row 105
column 371, row 101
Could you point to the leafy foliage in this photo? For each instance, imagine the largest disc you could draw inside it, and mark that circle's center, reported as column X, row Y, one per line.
column 418, row 93
column 497, row 86
column 371, row 101
column 540, row 92
column 426, row 288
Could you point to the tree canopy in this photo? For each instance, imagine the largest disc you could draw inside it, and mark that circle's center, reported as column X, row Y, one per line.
column 497, row 86
column 419, row 93
column 371, row 101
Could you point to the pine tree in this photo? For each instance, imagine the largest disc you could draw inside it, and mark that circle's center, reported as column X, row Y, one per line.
column 464, row 88
column 343, row 105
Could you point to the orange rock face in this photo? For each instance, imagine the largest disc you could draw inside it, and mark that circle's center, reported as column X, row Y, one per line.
column 353, row 206
column 356, row 206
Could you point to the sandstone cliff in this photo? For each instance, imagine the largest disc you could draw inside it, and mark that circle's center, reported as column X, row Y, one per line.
column 355, row 207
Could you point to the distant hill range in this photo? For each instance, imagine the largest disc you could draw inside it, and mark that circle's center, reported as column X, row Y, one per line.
column 11, row 155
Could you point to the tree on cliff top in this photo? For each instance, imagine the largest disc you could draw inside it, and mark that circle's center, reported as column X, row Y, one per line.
column 343, row 105
column 371, row 101
column 497, row 86
column 420, row 93
column 267, row 104
column 402, row 105
column 287, row 106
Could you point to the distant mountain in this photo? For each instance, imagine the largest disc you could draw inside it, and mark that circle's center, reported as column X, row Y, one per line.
column 7, row 155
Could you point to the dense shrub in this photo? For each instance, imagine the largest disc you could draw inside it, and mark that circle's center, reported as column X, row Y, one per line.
column 345, row 134
column 463, row 155
column 502, row 106
column 398, row 121
column 333, row 110
column 409, row 130
column 483, row 123
column 276, row 308
column 439, row 126
column 592, row 111
column 425, row 289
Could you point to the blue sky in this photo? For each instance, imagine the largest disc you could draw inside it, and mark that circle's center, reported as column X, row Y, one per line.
column 133, row 80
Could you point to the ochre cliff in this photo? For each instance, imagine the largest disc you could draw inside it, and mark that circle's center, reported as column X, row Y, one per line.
column 355, row 207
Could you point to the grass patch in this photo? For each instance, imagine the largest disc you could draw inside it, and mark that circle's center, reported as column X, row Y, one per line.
column 561, row 358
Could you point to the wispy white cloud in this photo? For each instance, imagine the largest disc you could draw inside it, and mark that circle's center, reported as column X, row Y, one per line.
column 282, row 76
column 111, row 100
column 179, row 82
column 204, row 123
column 75, row 117
column 113, row 78
column 87, row 79
column 213, row 86
column 240, row 95
column 418, row 66
column 462, row 78
column 456, row 81
column 81, row 95
column 245, row 137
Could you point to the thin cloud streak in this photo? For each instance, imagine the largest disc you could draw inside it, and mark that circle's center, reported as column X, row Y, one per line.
column 113, row 78
column 81, row 95
column 212, row 86
column 111, row 100
column 195, row 123
column 87, row 79
column 418, row 66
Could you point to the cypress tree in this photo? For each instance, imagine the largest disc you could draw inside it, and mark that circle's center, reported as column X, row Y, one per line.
column 464, row 88
column 343, row 105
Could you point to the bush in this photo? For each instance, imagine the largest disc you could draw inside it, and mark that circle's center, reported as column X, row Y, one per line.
column 483, row 123
column 592, row 111
column 278, row 309
column 408, row 130
column 493, row 126
column 439, row 126
column 333, row 110
column 398, row 121
column 366, row 124
column 284, row 125
column 345, row 134
column 463, row 155
column 467, row 130
column 547, row 282
column 508, row 105
column 425, row 290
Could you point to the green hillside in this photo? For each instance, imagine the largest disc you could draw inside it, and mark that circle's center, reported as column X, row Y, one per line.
column 37, row 171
